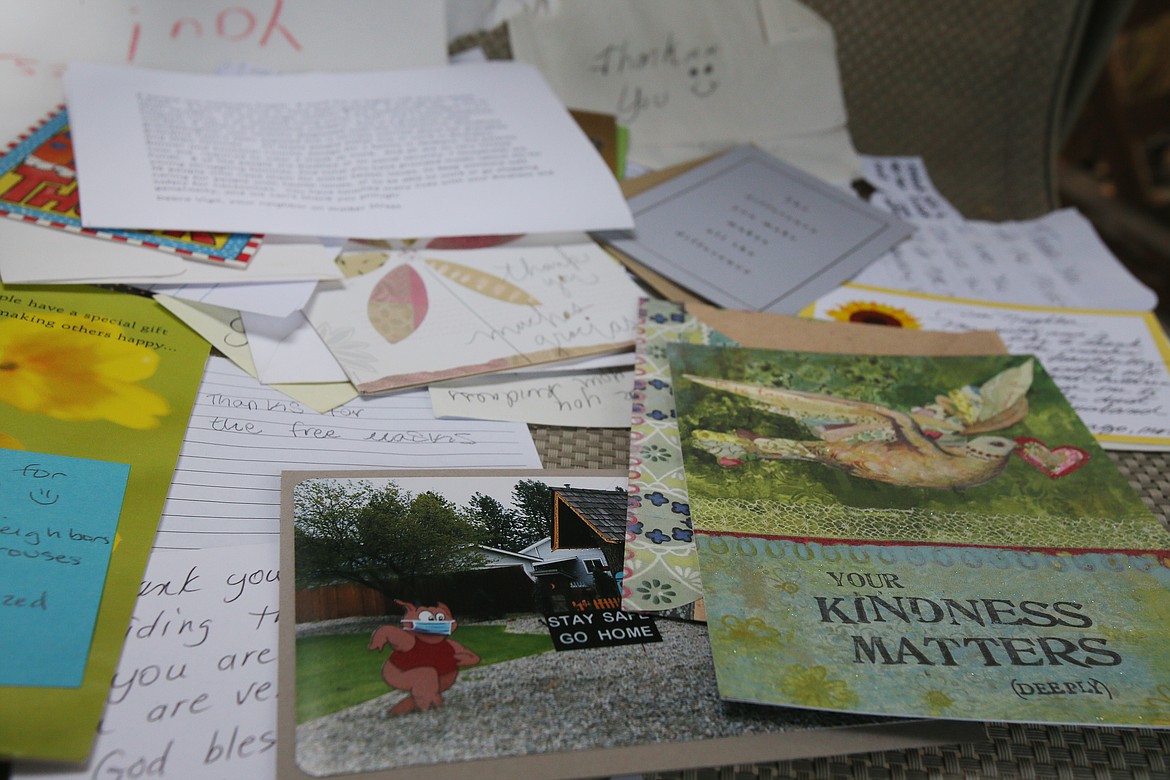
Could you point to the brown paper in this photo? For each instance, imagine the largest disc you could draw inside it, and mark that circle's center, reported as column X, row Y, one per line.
column 779, row 331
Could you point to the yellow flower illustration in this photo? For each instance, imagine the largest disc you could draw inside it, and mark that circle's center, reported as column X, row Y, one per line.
column 750, row 631
column 811, row 686
column 875, row 313
column 937, row 701
column 1159, row 705
column 75, row 369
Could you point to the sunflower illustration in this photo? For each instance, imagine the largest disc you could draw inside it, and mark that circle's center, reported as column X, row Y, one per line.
column 47, row 369
column 874, row 313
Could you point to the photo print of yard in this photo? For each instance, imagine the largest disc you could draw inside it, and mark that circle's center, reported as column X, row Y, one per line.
column 454, row 575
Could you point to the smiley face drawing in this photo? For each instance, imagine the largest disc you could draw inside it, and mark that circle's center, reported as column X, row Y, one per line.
column 700, row 68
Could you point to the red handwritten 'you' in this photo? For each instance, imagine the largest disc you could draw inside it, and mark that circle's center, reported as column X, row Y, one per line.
column 234, row 24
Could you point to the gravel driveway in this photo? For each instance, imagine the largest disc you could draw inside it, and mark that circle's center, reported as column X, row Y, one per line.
column 605, row 697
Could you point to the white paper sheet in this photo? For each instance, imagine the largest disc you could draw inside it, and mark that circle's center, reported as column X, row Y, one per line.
column 1111, row 365
column 471, row 150
column 1056, row 260
column 195, row 691
column 287, row 349
column 30, row 254
column 274, row 299
column 224, row 330
column 242, row 435
column 586, row 399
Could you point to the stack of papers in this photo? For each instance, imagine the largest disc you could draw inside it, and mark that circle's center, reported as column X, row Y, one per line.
column 482, row 153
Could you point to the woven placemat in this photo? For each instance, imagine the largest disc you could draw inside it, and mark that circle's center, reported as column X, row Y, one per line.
column 1010, row 750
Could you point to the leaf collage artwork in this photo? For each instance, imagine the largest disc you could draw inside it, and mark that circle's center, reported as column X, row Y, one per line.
column 435, row 314
column 911, row 536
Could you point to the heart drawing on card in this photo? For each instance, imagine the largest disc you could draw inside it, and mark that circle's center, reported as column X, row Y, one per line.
column 1056, row 462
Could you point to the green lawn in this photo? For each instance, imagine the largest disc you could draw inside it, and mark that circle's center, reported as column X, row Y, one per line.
column 339, row 671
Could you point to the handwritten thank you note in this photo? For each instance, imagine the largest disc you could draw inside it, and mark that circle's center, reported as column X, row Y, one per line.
column 58, row 517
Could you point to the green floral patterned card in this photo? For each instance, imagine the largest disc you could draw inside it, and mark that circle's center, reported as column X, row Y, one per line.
column 662, row 566
column 918, row 536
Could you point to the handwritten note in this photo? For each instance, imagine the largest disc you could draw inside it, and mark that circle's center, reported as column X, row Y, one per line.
column 1055, row 260
column 1111, row 365
column 58, row 517
column 905, row 189
column 591, row 399
column 242, row 434
column 37, row 39
column 433, row 315
column 690, row 77
column 195, row 691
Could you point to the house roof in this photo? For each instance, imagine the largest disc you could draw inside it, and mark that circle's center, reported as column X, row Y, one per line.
column 603, row 510
column 496, row 555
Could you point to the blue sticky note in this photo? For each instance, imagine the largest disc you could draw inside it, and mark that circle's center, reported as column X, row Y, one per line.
column 58, row 517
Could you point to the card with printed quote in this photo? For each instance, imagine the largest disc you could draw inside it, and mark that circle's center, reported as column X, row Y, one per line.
column 748, row 231
column 488, row 597
column 919, row 536
column 38, row 185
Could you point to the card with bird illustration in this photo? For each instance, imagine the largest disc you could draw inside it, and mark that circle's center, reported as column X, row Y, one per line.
column 918, row 536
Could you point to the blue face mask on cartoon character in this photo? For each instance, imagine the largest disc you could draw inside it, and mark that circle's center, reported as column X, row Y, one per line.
column 429, row 623
column 429, row 626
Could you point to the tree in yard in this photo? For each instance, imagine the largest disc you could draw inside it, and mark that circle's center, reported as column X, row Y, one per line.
column 533, row 501
column 382, row 537
column 497, row 522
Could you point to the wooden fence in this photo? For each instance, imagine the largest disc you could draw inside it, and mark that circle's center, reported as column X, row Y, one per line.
column 337, row 601
column 475, row 594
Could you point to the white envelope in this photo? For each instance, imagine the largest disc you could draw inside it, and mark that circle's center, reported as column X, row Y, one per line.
column 30, row 254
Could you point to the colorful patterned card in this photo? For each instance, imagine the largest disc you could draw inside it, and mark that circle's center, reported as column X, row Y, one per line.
column 662, row 566
column 918, row 536
column 38, row 184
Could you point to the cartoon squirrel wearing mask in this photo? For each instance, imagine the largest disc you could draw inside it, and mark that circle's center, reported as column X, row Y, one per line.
column 424, row 661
